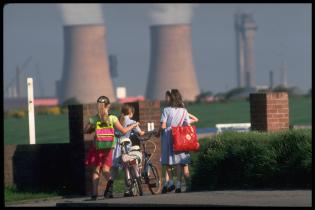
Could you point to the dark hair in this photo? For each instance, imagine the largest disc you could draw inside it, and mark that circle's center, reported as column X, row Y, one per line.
column 125, row 110
column 168, row 93
column 176, row 99
column 103, row 99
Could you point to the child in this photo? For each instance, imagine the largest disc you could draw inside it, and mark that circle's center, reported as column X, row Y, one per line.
column 101, row 159
column 173, row 115
column 127, row 112
column 168, row 185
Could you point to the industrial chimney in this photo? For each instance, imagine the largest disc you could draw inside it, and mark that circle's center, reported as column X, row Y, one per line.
column 86, row 74
column 245, row 28
column 171, row 63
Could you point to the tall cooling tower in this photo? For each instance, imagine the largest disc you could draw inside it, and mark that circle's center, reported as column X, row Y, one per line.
column 86, row 74
column 171, row 64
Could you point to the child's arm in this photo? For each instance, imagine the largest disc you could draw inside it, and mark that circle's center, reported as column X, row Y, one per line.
column 192, row 118
column 123, row 130
column 137, row 129
column 162, row 126
column 89, row 128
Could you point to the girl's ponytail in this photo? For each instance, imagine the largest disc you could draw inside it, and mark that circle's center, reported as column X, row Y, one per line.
column 102, row 103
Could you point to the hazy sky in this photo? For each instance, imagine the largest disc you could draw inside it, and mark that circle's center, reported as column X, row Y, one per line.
column 284, row 33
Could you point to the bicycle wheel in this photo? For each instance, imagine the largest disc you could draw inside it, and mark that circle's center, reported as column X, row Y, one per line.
column 136, row 187
column 153, row 179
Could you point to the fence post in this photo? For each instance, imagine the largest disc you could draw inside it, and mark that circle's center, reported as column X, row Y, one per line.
column 30, row 102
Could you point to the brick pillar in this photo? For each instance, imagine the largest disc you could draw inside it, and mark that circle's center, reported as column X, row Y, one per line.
column 148, row 112
column 80, row 142
column 269, row 111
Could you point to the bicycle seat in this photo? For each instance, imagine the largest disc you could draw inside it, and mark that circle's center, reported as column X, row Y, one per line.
column 135, row 148
column 125, row 141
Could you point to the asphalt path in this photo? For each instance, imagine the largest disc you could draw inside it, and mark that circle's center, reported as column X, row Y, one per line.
column 237, row 198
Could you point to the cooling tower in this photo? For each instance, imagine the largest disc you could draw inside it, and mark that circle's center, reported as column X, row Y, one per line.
column 171, row 63
column 86, row 74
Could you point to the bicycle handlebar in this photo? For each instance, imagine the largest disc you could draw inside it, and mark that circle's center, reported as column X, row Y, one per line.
column 148, row 135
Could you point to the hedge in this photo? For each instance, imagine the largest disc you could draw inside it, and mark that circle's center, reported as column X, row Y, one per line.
column 254, row 160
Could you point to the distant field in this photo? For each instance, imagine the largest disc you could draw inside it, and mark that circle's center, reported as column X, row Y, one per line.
column 54, row 129
column 300, row 109
column 48, row 128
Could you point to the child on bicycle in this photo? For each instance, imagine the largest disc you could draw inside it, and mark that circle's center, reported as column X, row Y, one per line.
column 100, row 152
column 127, row 112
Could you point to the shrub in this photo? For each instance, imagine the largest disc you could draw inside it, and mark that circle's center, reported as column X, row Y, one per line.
column 54, row 110
column 15, row 113
column 254, row 160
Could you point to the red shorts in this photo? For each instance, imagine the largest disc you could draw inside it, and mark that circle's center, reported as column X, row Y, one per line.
column 99, row 157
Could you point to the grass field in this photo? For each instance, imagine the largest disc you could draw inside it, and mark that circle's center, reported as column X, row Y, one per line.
column 54, row 128
column 48, row 128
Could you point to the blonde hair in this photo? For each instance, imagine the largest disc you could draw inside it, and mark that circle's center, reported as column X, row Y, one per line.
column 103, row 113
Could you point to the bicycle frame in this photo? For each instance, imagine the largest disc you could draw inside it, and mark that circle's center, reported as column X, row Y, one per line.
column 144, row 173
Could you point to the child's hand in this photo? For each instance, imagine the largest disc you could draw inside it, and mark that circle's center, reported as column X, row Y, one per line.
column 136, row 124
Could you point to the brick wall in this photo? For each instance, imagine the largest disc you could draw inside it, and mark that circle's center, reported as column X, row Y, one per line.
column 269, row 111
column 44, row 167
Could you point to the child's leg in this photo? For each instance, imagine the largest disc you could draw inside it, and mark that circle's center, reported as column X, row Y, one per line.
column 168, row 179
column 169, row 175
column 187, row 177
column 95, row 181
column 109, row 186
column 106, row 171
column 179, row 169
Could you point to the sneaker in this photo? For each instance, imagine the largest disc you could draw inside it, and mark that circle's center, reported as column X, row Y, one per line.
column 127, row 194
column 178, row 190
column 164, row 190
column 171, row 188
column 108, row 193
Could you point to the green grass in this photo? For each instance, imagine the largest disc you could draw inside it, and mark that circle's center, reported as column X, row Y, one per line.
column 48, row 128
column 300, row 110
column 11, row 194
column 220, row 112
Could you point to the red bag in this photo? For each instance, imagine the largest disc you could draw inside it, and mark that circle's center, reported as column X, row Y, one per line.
column 185, row 138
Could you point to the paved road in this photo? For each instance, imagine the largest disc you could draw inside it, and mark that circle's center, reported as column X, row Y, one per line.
column 193, row 199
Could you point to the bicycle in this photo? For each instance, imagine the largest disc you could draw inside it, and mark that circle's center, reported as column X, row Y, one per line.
column 137, row 171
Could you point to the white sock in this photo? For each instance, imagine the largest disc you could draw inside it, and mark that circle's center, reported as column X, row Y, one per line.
column 170, row 183
column 178, row 184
